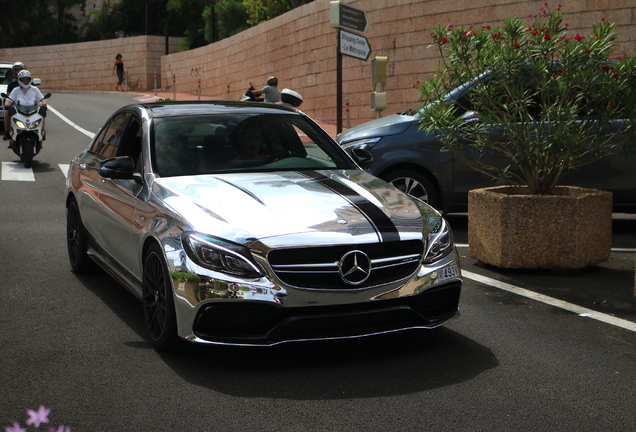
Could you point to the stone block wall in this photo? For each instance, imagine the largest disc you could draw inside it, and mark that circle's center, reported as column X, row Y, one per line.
column 89, row 65
column 300, row 49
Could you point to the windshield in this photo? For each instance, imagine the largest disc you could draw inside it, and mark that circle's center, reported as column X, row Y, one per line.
column 242, row 142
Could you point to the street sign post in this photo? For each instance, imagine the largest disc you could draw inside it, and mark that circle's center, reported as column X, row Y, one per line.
column 342, row 16
column 354, row 45
column 347, row 17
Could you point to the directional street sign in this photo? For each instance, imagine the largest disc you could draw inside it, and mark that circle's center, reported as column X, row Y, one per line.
column 354, row 45
column 348, row 17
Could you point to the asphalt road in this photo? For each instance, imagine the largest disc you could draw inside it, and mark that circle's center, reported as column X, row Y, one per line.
column 77, row 345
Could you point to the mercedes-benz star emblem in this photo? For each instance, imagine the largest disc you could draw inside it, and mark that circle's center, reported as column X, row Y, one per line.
column 354, row 267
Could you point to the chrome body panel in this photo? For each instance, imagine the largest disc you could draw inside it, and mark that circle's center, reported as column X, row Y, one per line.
column 265, row 212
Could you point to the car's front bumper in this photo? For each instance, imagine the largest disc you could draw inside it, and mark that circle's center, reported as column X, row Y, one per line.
column 223, row 310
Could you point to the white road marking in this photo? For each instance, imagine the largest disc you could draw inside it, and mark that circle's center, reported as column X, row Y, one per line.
column 146, row 99
column 14, row 171
column 70, row 123
column 64, row 168
column 581, row 311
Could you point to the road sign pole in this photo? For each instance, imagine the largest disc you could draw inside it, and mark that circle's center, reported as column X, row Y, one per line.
column 338, row 85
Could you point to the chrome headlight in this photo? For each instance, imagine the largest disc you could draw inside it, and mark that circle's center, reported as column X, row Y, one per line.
column 19, row 124
column 439, row 242
column 36, row 123
column 439, row 236
column 220, row 255
column 366, row 143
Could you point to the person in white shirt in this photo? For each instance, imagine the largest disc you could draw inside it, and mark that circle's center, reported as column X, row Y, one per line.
column 26, row 94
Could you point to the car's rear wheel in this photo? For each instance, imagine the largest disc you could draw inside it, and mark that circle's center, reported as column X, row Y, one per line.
column 76, row 240
column 157, row 301
column 415, row 184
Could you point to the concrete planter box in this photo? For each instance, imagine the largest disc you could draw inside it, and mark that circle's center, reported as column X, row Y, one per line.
column 569, row 230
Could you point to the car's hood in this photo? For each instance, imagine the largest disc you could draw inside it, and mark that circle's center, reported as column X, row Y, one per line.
column 385, row 126
column 318, row 206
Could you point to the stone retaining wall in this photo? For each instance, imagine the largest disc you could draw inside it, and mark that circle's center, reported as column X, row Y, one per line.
column 89, row 65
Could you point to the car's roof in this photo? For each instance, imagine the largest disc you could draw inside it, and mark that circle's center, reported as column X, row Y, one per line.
column 194, row 108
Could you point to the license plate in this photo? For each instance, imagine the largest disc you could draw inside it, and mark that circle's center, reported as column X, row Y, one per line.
column 449, row 272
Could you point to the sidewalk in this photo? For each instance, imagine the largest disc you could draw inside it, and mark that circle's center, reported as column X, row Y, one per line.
column 149, row 96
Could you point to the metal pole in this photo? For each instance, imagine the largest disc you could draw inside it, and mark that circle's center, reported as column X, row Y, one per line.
column 338, row 86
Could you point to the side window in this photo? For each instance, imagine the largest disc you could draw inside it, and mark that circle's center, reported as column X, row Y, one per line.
column 131, row 141
column 108, row 140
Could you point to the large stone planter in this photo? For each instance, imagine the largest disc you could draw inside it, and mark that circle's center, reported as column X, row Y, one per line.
column 569, row 230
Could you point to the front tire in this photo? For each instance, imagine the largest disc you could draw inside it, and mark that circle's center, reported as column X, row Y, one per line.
column 416, row 184
column 27, row 152
column 158, row 301
column 76, row 243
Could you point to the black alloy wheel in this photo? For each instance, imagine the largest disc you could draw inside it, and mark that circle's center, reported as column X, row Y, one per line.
column 76, row 240
column 157, row 301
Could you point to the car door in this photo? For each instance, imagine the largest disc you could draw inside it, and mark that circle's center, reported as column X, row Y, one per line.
column 117, row 197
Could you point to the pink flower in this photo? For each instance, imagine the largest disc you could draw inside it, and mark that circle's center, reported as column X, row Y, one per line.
column 39, row 417
column 578, row 38
column 546, row 36
column 15, row 428
column 517, row 46
column 443, row 40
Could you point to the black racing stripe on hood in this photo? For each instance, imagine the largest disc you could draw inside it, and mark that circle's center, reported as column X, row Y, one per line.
column 383, row 225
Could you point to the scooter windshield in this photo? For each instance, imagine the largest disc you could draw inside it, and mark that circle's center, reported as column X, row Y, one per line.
column 27, row 109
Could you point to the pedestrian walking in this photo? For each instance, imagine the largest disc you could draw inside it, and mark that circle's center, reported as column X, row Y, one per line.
column 119, row 67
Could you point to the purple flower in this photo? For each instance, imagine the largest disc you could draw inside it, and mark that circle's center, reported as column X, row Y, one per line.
column 61, row 428
column 15, row 428
column 39, row 417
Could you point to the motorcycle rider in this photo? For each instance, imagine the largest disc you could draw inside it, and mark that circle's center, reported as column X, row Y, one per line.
column 16, row 68
column 26, row 94
column 271, row 92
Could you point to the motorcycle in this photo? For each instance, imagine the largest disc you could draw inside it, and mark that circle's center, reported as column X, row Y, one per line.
column 249, row 96
column 27, row 137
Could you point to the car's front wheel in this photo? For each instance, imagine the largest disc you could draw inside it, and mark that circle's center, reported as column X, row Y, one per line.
column 415, row 184
column 157, row 301
column 76, row 240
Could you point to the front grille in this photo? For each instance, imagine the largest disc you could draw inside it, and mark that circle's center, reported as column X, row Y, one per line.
column 319, row 267
column 262, row 324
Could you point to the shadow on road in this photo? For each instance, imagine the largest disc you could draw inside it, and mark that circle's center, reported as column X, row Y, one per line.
column 393, row 364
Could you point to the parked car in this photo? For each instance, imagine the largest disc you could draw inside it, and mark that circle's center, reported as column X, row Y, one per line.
column 5, row 79
column 417, row 163
column 245, row 223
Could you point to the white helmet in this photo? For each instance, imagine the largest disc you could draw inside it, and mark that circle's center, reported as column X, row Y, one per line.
column 18, row 66
column 25, row 83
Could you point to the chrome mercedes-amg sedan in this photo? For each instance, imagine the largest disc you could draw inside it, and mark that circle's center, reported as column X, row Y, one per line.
column 246, row 224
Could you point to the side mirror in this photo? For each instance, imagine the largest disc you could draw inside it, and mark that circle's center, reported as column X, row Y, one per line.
column 362, row 157
column 37, row 81
column 121, row 167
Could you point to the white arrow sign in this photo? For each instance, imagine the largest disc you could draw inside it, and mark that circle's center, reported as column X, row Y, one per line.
column 354, row 45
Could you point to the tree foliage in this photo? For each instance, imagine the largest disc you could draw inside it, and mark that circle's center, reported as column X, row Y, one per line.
column 41, row 22
column 198, row 22
column 542, row 101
